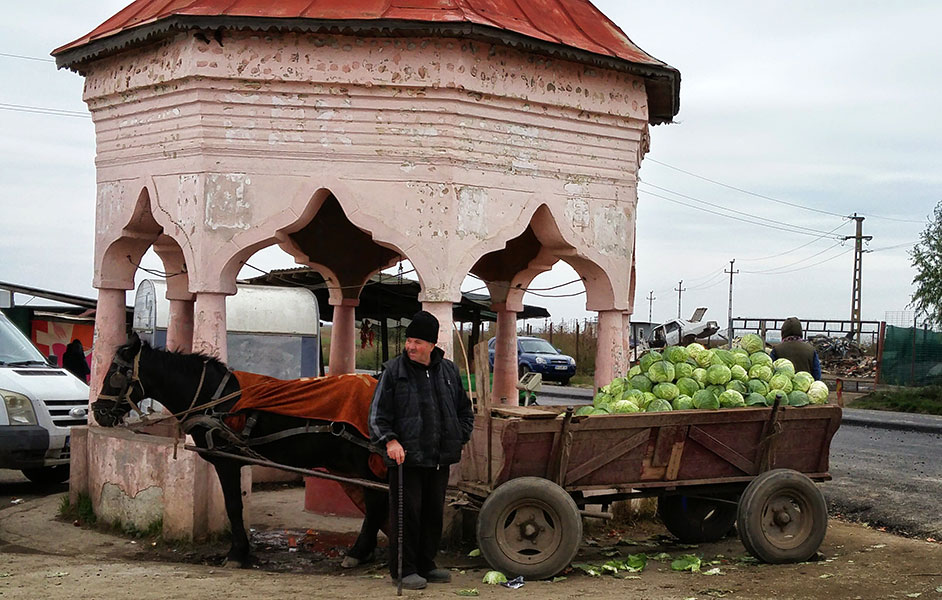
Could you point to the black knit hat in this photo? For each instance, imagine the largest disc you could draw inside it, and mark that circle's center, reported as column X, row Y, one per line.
column 424, row 326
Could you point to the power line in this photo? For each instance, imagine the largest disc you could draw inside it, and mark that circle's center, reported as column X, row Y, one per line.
column 20, row 56
column 721, row 207
column 769, row 198
column 806, row 244
column 807, row 258
column 838, row 255
column 820, row 234
column 59, row 112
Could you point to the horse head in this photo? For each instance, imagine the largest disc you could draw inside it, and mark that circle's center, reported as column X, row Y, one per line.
column 121, row 389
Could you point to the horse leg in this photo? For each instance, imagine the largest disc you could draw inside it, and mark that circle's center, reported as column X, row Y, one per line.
column 231, row 481
column 377, row 512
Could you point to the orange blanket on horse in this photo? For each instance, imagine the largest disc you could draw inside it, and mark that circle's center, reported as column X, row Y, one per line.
column 340, row 399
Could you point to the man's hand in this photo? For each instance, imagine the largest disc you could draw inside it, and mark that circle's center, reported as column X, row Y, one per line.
column 395, row 451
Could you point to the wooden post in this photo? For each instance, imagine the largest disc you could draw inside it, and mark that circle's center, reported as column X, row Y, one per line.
column 482, row 376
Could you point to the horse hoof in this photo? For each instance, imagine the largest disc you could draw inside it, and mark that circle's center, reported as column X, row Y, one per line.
column 349, row 562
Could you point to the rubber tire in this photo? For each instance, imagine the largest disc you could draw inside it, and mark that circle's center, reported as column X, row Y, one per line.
column 522, row 370
column 529, row 494
column 46, row 475
column 769, row 541
column 564, row 382
column 696, row 520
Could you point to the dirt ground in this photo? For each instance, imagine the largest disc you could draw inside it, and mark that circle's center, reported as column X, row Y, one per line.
column 41, row 557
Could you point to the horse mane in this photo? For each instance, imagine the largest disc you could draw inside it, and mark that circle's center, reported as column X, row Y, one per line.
column 184, row 363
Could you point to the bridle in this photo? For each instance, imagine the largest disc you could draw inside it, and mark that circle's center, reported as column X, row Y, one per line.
column 125, row 377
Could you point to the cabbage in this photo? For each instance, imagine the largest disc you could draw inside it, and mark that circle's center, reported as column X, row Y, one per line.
column 723, row 357
column 773, row 394
column 633, row 395
column 752, row 343
column 650, row 357
column 659, row 406
column 684, row 369
column 760, row 358
column 682, row 402
column 731, row 399
column 687, row 386
column 783, row 365
column 818, row 393
column 739, row 373
column 585, row 410
column 635, row 370
column 700, row 375
column 757, row 386
column 602, row 410
column 781, row 381
column 641, row 383
column 602, row 399
column 763, row 372
column 661, row 372
column 494, row 577
column 648, row 399
column 705, row 400
column 616, row 387
column 755, row 399
column 798, row 398
column 694, row 349
column 716, row 390
column 676, row 354
column 666, row 391
column 705, row 358
column 719, row 374
column 742, row 359
column 624, row 406
column 737, row 385
column 802, row 381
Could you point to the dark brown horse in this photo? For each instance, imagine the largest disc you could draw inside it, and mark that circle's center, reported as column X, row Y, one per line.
column 186, row 383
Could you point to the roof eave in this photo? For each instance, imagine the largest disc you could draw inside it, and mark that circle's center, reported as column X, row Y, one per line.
column 663, row 80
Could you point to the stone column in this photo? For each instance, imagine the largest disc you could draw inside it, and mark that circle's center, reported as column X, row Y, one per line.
column 443, row 312
column 110, row 332
column 610, row 359
column 209, row 325
column 505, row 356
column 343, row 348
column 180, row 327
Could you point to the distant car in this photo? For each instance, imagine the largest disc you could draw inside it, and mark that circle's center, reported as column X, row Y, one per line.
column 539, row 356
column 682, row 332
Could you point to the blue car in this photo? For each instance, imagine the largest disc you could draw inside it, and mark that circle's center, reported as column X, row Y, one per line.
column 539, row 356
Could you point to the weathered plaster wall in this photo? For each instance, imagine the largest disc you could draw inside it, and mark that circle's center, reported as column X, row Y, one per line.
column 439, row 148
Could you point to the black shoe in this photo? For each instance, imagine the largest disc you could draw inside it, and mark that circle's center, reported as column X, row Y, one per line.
column 438, row 576
column 412, row 582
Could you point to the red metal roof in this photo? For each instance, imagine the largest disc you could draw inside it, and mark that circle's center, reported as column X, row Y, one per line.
column 573, row 24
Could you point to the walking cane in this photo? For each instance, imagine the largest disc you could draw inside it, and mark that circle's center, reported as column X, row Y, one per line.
column 399, row 536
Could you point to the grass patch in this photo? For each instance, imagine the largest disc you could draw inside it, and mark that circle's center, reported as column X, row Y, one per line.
column 583, row 381
column 920, row 400
column 81, row 511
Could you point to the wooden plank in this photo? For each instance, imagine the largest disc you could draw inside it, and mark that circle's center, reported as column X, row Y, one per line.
column 610, row 454
column 667, row 436
column 722, row 450
column 523, row 412
column 482, row 378
column 673, row 464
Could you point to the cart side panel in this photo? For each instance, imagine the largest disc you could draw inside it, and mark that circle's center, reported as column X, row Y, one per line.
column 718, row 450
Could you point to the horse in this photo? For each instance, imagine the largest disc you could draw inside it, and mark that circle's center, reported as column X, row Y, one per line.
column 200, row 391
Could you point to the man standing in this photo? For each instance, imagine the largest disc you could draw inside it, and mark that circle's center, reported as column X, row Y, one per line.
column 794, row 348
column 423, row 417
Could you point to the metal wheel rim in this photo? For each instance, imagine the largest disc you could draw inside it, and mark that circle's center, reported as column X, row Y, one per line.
column 516, row 521
column 786, row 519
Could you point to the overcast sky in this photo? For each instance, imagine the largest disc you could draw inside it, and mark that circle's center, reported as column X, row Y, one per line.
column 829, row 106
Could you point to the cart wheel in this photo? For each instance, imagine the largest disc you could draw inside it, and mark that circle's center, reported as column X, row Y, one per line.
column 782, row 517
column 694, row 520
column 529, row 526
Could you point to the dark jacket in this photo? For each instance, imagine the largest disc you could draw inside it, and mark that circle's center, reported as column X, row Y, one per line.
column 801, row 353
column 424, row 408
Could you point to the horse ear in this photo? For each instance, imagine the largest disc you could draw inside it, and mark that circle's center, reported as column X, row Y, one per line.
column 134, row 341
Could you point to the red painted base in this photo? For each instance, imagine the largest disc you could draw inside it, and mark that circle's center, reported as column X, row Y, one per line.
column 325, row 497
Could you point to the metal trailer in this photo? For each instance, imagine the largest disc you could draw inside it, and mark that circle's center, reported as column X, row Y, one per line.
column 531, row 471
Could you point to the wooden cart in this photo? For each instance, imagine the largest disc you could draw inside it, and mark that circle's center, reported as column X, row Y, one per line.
column 532, row 470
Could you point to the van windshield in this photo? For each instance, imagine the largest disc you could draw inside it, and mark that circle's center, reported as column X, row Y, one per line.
column 14, row 346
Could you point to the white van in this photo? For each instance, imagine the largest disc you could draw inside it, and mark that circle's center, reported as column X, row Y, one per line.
column 41, row 404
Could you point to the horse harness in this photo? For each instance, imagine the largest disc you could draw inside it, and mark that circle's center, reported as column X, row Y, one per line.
column 212, row 421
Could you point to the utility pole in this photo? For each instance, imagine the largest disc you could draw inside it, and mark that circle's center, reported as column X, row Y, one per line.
column 859, row 239
column 730, row 330
column 680, row 289
column 651, row 300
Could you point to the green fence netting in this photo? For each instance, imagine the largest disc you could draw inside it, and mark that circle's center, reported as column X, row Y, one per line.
column 911, row 356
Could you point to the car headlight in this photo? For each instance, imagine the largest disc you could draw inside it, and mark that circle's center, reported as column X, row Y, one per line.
column 540, row 360
column 572, row 361
column 19, row 408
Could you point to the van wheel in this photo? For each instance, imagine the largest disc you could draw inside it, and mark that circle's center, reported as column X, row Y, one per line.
column 53, row 474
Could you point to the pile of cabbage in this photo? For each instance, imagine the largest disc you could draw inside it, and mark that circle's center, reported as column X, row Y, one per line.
column 694, row 377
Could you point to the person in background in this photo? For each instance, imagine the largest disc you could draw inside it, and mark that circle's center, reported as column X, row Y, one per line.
column 73, row 360
column 794, row 348
column 422, row 417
